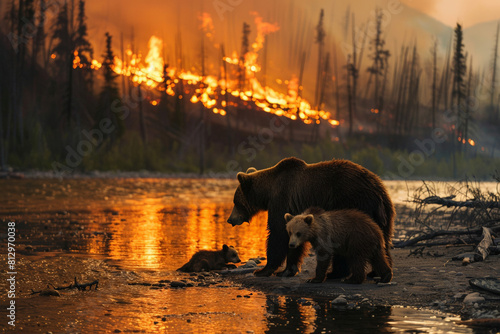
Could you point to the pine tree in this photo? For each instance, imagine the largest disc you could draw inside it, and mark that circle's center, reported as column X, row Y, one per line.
column 82, row 45
column 459, row 69
column 63, row 57
column 109, row 95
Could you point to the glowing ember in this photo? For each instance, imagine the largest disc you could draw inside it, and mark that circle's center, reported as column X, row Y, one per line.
column 472, row 142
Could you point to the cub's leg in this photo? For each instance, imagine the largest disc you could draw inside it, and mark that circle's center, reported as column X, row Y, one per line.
column 340, row 267
column 381, row 266
column 293, row 261
column 358, row 274
column 202, row 265
column 323, row 260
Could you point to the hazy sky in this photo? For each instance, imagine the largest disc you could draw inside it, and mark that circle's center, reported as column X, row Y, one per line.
column 468, row 12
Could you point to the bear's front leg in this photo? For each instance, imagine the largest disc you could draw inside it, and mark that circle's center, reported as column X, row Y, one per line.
column 277, row 246
column 323, row 260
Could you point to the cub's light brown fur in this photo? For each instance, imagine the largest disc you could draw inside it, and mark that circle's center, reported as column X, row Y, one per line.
column 349, row 233
column 211, row 260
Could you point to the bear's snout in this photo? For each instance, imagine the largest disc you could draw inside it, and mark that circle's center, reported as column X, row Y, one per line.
column 235, row 218
column 292, row 245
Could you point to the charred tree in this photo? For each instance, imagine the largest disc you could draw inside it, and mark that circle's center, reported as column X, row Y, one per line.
column 493, row 110
column 379, row 66
column 245, row 43
column 320, row 40
column 434, row 83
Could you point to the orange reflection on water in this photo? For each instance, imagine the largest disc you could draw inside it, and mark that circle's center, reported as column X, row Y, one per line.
column 139, row 236
column 154, row 235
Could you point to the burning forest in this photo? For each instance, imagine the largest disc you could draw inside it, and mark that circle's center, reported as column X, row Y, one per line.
column 321, row 85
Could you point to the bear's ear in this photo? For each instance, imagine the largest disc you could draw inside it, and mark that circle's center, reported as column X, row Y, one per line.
column 288, row 217
column 309, row 219
column 225, row 248
column 251, row 170
column 245, row 180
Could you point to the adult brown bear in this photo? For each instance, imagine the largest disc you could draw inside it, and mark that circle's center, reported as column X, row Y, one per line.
column 292, row 186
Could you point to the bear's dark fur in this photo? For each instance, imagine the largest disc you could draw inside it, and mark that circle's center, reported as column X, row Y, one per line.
column 349, row 233
column 292, row 186
column 205, row 260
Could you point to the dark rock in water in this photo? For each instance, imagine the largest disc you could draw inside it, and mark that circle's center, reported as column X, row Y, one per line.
column 177, row 284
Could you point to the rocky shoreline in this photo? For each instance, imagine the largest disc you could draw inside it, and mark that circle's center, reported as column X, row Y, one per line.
column 431, row 281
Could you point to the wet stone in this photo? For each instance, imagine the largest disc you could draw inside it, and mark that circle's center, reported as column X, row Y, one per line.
column 177, row 284
column 474, row 298
column 339, row 301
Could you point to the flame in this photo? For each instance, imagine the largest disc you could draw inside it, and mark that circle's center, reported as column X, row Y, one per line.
column 472, row 142
column 263, row 29
column 207, row 24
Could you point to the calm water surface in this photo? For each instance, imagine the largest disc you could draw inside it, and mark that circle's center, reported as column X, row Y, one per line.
column 123, row 230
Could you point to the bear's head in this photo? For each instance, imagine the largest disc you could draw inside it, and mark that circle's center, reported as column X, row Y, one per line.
column 243, row 209
column 230, row 254
column 298, row 228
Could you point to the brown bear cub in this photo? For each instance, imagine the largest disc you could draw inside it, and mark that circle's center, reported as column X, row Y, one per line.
column 205, row 260
column 349, row 233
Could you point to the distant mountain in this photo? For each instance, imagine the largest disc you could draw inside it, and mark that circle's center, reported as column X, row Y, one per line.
column 479, row 40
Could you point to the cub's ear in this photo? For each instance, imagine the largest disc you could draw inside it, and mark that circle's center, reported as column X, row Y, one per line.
column 225, row 248
column 245, row 180
column 288, row 217
column 251, row 170
column 309, row 219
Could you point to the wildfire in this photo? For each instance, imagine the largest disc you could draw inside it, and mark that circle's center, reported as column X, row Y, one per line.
column 151, row 72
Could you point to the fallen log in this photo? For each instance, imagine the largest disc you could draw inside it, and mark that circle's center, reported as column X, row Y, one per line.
column 449, row 202
column 432, row 235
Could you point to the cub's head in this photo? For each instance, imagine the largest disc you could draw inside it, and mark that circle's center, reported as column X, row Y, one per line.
column 243, row 209
column 230, row 254
column 298, row 228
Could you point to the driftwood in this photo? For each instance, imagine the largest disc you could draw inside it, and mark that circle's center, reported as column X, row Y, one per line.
column 449, row 202
column 76, row 285
column 432, row 235
column 493, row 323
